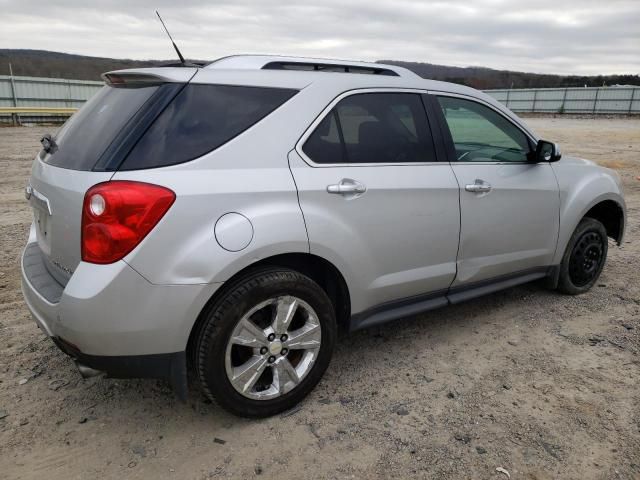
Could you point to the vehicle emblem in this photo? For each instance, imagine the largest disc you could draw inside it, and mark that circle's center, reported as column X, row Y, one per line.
column 62, row 267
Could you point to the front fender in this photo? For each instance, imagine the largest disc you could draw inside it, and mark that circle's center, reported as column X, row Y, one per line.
column 582, row 186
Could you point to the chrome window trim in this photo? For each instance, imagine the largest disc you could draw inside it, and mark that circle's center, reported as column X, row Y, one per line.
column 310, row 129
column 529, row 135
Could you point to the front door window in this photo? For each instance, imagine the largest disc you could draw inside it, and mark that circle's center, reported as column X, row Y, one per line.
column 480, row 134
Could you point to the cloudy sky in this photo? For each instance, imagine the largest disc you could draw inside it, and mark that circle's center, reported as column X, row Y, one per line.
column 554, row 36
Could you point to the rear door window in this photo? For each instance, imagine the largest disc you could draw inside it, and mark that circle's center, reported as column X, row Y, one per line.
column 200, row 119
column 373, row 128
column 325, row 143
column 84, row 137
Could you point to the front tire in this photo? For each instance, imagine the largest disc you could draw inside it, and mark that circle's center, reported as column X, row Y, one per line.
column 584, row 257
column 265, row 343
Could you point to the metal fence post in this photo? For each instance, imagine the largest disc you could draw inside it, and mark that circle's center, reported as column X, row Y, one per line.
column 564, row 99
column 595, row 101
column 68, row 102
column 633, row 94
column 535, row 94
column 15, row 118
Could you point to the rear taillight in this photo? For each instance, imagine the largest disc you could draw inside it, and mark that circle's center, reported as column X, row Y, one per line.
column 117, row 215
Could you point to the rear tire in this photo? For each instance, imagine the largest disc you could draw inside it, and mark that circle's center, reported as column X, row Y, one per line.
column 245, row 330
column 584, row 258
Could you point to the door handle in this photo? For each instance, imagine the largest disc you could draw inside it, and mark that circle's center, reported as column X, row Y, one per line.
column 479, row 186
column 347, row 186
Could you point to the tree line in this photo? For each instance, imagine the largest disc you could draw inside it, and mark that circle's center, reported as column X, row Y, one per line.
column 42, row 63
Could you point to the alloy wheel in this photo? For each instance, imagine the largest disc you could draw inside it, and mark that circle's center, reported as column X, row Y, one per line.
column 273, row 348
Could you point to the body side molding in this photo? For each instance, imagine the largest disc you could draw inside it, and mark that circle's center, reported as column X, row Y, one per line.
column 394, row 310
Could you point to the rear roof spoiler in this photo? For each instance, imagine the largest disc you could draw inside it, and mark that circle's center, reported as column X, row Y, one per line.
column 119, row 79
column 149, row 76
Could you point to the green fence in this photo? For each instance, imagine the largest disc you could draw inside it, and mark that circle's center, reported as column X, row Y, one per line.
column 51, row 99
column 54, row 99
column 623, row 100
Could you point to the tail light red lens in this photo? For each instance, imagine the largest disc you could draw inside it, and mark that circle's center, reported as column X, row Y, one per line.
column 117, row 215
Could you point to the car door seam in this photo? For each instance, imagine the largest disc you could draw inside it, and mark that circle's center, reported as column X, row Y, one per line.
column 304, row 220
column 555, row 251
column 459, row 224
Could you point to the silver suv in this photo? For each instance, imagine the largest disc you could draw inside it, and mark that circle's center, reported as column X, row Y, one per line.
column 229, row 219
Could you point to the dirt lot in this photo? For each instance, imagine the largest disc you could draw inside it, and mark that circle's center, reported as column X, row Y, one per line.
column 543, row 385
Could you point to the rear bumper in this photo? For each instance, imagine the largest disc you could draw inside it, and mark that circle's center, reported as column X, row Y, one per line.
column 170, row 366
column 110, row 318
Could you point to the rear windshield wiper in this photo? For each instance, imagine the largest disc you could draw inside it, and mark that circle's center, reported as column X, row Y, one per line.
column 49, row 145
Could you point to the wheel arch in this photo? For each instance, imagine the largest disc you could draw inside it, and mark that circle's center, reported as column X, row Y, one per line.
column 611, row 214
column 323, row 272
column 588, row 190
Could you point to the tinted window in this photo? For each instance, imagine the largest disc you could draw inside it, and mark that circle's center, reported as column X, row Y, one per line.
column 200, row 119
column 373, row 128
column 480, row 134
column 324, row 145
column 84, row 137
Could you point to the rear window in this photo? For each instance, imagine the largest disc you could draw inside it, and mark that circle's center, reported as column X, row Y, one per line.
column 200, row 119
column 84, row 137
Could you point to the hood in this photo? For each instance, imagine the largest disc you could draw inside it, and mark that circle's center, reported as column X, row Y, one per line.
column 567, row 160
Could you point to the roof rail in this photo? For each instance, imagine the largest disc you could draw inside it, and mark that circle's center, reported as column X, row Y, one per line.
column 279, row 62
column 328, row 67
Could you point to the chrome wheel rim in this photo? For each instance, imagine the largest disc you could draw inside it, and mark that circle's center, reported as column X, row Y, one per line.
column 273, row 348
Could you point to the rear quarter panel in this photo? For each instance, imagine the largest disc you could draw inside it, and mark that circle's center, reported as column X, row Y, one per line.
column 182, row 248
column 248, row 175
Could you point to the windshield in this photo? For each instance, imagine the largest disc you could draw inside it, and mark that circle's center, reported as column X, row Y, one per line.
column 84, row 137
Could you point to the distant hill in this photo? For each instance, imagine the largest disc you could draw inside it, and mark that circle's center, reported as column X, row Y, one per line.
column 486, row 78
column 43, row 63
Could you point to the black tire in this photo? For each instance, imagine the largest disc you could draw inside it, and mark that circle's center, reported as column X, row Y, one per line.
column 584, row 258
column 222, row 316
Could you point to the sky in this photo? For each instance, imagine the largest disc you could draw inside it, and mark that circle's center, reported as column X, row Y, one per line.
column 583, row 37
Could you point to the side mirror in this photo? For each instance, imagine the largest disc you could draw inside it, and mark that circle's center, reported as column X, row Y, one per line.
column 547, row 151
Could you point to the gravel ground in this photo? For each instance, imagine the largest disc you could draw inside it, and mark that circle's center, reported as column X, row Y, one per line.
column 542, row 385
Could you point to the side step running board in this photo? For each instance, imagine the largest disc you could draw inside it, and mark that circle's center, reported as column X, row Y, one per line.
column 422, row 303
